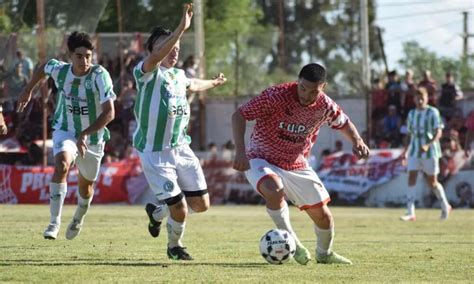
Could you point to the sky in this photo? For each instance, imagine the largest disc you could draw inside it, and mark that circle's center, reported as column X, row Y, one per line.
column 435, row 24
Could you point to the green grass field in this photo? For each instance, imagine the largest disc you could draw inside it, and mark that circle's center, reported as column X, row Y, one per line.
column 115, row 246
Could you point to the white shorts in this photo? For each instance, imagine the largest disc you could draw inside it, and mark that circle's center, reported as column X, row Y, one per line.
column 170, row 172
column 88, row 166
column 302, row 187
column 428, row 166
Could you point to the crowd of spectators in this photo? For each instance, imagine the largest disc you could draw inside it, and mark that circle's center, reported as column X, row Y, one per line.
column 392, row 100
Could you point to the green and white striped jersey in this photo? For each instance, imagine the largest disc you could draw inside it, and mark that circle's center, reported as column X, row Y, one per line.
column 161, row 109
column 422, row 126
column 79, row 99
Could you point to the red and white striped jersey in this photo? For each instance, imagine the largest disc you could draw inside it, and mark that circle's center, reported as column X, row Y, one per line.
column 285, row 130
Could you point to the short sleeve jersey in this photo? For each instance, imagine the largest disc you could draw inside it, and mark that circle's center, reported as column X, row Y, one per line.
column 79, row 99
column 161, row 109
column 422, row 126
column 285, row 130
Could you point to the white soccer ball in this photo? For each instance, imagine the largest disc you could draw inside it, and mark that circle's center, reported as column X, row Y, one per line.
column 277, row 246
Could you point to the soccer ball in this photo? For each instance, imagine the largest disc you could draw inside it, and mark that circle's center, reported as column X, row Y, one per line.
column 277, row 246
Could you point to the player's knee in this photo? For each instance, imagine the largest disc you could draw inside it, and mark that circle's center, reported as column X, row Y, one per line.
column 178, row 211
column 199, row 207
column 61, row 168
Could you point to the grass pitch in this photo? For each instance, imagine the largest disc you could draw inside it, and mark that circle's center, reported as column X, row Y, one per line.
column 115, row 246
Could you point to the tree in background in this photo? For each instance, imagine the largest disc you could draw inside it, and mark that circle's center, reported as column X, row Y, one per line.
column 419, row 59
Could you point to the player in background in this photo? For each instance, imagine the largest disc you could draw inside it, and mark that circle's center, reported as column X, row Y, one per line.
column 162, row 113
column 84, row 107
column 288, row 118
column 425, row 127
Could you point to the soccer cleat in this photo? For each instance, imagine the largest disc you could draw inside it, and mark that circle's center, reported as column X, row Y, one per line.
column 154, row 227
column 408, row 218
column 73, row 229
column 178, row 253
column 445, row 214
column 51, row 232
column 332, row 258
column 302, row 255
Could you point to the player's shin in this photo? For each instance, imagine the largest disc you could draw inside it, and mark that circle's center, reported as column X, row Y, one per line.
column 83, row 205
column 281, row 218
column 57, row 193
column 325, row 238
column 441, row 195
column 175, row 232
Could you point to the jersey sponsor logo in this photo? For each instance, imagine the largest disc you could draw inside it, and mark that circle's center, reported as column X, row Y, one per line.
column 77, row 110
column 292, row 139
column 180, row 110
column 168, row 186
column 293, row 128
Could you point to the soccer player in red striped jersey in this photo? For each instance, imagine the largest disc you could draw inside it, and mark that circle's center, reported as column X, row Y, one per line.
column 288, row 118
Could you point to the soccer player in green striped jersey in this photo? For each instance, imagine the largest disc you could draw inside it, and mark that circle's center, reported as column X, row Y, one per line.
column 162, row 112
column 84, row 107
column 425, row 129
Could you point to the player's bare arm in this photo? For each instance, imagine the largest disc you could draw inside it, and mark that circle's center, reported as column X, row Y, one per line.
column 436, row 137
column 26, row 93
column 241, row 162
column 107, row 115
column 3, row 126
column 359, row 149
column 162, row 48
column 198, row 85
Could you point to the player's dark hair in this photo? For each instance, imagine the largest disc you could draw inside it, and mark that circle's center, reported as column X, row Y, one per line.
column 79, row 39
column 155, row 33
column 313, row 72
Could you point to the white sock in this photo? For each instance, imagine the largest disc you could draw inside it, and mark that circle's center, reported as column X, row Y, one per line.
column 57, row 194
column 175, row 232
column 281, row 218
column 325, row 239
column 441, row 195
column 82, row 207
column 411, row 197
column 161, row 212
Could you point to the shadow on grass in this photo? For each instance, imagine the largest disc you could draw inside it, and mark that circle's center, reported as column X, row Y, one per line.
column 95, row 262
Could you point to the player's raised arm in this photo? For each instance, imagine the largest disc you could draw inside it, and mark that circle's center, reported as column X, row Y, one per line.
column 162, row 48
column 198, row 85
column 26, row 93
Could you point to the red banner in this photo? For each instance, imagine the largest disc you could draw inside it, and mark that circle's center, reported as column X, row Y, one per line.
column 26, row 184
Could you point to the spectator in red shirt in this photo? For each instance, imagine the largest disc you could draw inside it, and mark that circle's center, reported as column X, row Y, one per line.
column 408, row 93
column 288, row 118
column 379, row 99
column 430, row 85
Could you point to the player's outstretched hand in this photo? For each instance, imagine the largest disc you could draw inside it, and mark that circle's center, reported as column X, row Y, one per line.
column 187, row 16
column 241, row 162
column 219, row 79
column 360, row 150
column 24, row 99
column 81, row 144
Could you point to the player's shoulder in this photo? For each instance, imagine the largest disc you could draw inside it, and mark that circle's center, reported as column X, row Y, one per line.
column 281, row 91
column 99, row 69
column 53, row 62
